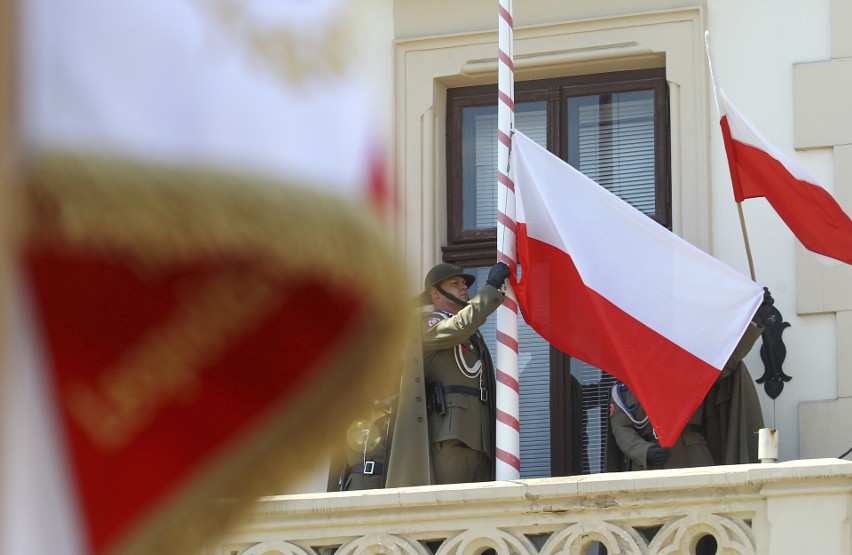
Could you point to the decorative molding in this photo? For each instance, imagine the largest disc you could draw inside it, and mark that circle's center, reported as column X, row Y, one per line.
column 539, row 60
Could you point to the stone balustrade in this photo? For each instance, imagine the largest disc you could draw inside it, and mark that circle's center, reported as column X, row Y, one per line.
column 801, row 506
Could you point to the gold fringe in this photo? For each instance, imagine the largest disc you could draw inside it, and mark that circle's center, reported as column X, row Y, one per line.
column 159, row 216
column 154, row 217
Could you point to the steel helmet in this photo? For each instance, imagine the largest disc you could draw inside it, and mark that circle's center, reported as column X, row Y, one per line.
column 438, row 274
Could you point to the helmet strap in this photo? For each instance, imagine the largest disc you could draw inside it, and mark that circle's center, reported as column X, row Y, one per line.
column 450, row 296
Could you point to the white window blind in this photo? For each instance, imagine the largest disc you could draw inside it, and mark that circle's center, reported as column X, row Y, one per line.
column 615, row 145
column 531, row 122
column 595, row 386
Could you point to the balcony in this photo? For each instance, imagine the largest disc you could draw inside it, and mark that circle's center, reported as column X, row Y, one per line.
column 802, row 506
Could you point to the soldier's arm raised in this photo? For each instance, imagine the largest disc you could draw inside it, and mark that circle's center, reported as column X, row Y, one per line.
column 449, row 332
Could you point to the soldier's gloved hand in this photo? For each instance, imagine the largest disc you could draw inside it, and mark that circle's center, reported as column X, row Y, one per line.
column 497, row 275
column 765, row 306
column 657, row 456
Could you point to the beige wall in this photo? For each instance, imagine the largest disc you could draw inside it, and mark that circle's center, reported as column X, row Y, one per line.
column 415, row 18
column 823, row 120
column 785, row 66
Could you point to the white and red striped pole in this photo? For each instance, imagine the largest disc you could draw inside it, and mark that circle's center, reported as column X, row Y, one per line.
column 508, row 414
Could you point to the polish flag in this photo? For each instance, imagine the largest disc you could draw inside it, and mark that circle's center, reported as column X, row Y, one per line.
column 759, row 169
column 176, row 317
column 606, row 284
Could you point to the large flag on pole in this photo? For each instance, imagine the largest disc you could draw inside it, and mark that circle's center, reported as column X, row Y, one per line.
column 759, row 169
column 606, row 284
column 193, row 306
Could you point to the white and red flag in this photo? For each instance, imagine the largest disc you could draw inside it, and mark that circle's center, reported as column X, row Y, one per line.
column 606, row 284
column 192, row 309
column 759, row 169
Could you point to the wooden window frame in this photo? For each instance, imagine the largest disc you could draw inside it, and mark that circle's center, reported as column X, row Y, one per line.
column 477, row 244
column 478, row 247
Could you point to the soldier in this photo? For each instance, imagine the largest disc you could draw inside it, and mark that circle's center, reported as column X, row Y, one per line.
column 459, row 373
column 450, row 437
column 361, row 462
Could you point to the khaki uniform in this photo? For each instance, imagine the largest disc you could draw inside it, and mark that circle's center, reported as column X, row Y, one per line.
column 723, row 430
column 460, row 387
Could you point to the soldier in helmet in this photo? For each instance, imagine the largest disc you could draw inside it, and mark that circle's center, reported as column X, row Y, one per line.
column 442, row 433
column 459, row 373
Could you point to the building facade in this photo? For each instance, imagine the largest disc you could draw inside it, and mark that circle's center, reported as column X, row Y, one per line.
column 786, row 70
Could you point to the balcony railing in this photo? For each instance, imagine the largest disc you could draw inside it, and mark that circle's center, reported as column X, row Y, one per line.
column 802, row 506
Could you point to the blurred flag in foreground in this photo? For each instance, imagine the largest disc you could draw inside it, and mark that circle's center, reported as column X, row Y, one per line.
column 759, row 169
column 203, row 290
column 608, row 285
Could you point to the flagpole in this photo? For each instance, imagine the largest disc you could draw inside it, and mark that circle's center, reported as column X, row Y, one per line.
column 507, row 441
column 745, row 239
column 734, row 177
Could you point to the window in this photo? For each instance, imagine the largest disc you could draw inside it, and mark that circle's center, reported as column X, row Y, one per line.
column 614, row 128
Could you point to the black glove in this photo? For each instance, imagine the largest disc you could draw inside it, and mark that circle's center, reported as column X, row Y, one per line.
column 657, row 456
column 498, row 274
column 765, row 306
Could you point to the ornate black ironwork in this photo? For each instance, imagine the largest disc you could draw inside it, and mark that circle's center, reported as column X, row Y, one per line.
column 773, row 352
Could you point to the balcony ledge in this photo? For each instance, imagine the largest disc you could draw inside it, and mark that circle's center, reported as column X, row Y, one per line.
column 758, row 508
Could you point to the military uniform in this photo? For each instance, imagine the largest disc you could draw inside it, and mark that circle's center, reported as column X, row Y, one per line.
column 460, row 387
column 361, row 464
column 723, row 430
column 445, row 434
